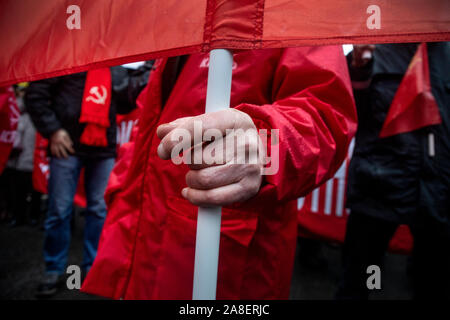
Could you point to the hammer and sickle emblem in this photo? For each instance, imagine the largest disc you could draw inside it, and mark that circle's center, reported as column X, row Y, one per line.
column 96, row 97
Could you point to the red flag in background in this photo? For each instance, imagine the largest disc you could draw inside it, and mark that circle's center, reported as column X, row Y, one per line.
column 322, row 213
column 9, row 118
column 57, row 37
column 413, row 106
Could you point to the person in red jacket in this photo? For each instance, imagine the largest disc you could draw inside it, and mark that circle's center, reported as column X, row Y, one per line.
column 147, row 245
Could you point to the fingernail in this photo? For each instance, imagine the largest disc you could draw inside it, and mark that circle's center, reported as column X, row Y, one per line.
column 184, row 192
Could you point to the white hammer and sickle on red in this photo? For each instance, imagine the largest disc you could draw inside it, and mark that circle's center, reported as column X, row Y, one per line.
column 96, row 97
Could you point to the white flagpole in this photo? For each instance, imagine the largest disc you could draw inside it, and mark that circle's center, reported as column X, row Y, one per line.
column 209, row 219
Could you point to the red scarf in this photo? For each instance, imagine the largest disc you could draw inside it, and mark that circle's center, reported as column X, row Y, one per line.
column 95, row 107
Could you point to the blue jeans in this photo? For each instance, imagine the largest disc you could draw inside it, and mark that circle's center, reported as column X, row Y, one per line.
column 62, row 186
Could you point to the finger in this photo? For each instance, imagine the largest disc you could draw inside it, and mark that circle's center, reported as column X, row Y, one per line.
column 208, row 154
column 67, row 142
column 217, row 176
column 223, row 196
column 177, row 141
column 165, row 128
column 55, row 151
column 63, row 151
column 238, row 147
column 218, row 121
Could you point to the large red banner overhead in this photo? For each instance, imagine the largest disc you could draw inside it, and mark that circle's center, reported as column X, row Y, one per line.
column 55, row 37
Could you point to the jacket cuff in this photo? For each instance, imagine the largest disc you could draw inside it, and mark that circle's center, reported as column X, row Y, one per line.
column 50, row 129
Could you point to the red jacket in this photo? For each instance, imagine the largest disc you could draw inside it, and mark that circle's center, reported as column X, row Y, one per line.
column 146, row 250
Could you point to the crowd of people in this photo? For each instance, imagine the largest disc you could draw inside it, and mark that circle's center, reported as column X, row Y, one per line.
column 16, row 180
column 315, row 97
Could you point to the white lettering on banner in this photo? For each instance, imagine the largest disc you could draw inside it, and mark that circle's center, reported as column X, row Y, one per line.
column 329, row 196
column 300, row 203
column 124, row 131
column 315, row 200
column 14, row 113
column 373, row 21
column 7, row 137
column 340, row 177
column 74, row 20
column 44, row 168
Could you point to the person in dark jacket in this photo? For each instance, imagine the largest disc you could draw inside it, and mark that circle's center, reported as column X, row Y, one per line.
column 55, row 106
column 397, row 180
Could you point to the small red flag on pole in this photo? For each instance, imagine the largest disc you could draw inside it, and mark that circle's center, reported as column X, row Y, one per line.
column 413, row 106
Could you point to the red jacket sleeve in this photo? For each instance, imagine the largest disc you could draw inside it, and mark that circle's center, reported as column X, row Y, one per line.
column 314, row 110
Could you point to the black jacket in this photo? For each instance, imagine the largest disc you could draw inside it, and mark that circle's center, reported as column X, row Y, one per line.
column 56, row 103
column 395, row 178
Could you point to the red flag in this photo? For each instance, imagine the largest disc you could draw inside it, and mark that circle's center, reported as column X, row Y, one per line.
column 51, row 38
column 9, row 118
column 413, row 106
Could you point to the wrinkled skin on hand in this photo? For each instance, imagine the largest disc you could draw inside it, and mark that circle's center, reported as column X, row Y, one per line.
column 210, row 183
